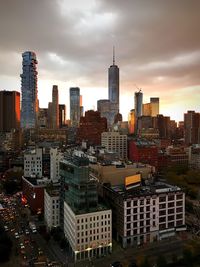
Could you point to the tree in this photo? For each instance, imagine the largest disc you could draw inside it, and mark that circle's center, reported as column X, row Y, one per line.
column 188, row 257
column 145, row 263
column 161, row 261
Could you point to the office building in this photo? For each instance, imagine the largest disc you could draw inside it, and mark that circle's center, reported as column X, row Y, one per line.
column 154, row 102
column 194, row 156
column 55, row 107
column 74, row 106
column 50, row 115
column 62, row 116
column 113, row 83
column 138, row 103
column 145, row 214
column 115, row 142
column 29, row 90
column 43, row 118
column 9, row 110
column 131, row 121
column 87, row 224
column 192, row 127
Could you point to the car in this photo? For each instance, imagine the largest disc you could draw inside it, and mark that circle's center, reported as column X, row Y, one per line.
column 27, row 232
column 6, row 228
column 116, row 264
column 17, row 236
column 22, row 246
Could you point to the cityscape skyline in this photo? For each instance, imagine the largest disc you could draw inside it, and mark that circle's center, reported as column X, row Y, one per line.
column 168, row 68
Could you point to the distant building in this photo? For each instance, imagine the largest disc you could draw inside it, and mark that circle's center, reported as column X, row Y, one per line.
column 113, row 84
column 107, row 110
column 9, row 110
column 192, row 127
column 62, row 116
column 138, row 103
column 116, row 142
column 74, row 106
column 144, row 214
column 50, row 115
column 154, row 101
column 131, row 121
column 55, row 107
column 91, row 127
column 143, row 151
column 29, row 103
column 43, row 118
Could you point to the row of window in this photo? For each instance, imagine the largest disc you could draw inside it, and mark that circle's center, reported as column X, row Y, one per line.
column 94, row 225
column 93, row 238
column 94, row 218
column 138, row 202
column 94, row 231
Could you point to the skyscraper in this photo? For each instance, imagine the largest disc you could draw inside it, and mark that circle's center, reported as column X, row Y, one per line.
column 154, row 101
column 29, row 105
column 138, row 103
column 113, row 83
column 9, row 110
column 74, row 106
column 138, row 107
column 55, row 107
column 62, row 115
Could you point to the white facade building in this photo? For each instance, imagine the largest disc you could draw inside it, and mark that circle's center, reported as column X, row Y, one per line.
column 55, row 158
column 146, row 214
column 115, row 142
column 33, row 163
column 52, row 208
column 89, row 234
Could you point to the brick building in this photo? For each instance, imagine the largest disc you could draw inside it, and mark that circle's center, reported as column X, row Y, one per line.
column 90, row 128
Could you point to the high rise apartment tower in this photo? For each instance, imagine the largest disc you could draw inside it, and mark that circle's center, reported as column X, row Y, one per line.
column 29, row 105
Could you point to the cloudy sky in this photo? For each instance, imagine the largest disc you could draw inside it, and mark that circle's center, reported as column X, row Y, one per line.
column 157, row 49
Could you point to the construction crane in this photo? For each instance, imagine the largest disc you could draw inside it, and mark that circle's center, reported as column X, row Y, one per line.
column 140, row 89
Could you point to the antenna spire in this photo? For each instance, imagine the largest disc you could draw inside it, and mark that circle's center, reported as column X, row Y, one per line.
column 113, row 55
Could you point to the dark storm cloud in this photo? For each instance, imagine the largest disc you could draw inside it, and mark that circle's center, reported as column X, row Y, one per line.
column 157, row 42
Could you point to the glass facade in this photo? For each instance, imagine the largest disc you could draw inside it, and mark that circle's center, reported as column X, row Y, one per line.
column 74, row 106
column 78, row 190
column 29, row 105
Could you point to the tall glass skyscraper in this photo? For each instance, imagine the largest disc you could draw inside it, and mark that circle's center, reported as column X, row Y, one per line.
column 29, row 104
column 74, row 106
column 113, row 83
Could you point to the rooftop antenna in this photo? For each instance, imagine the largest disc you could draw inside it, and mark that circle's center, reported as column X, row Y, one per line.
column 113, row 55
